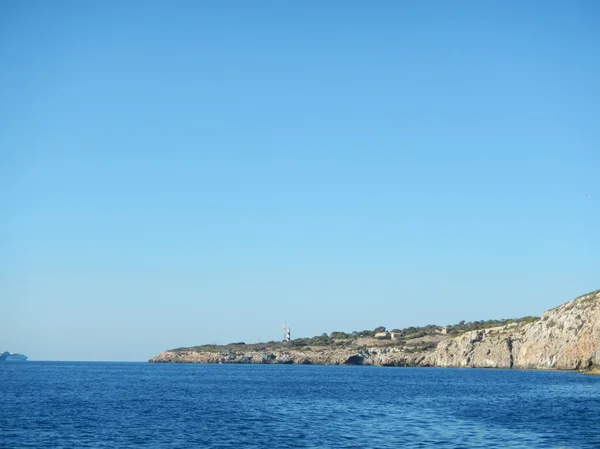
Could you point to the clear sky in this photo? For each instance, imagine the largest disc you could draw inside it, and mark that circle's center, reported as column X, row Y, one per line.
column 181, row 173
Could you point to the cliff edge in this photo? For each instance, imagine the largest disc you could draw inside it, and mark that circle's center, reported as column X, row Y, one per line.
column 566, row 338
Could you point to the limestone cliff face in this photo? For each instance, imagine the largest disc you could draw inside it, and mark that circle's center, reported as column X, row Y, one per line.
column 566, row 337
column 489, row 348
column 325, row 356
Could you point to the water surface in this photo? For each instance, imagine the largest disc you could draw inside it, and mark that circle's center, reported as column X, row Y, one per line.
column 59, row 404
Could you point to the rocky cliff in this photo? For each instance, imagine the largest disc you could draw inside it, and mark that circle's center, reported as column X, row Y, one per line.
column 566, row 337
column 321, row 356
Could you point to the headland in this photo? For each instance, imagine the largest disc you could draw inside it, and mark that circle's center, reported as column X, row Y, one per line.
column 566, row 337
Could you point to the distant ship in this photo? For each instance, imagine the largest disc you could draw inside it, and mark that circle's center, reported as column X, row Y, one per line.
column 12, row 357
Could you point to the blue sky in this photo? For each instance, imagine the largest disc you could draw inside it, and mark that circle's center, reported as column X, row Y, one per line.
column 189, row 173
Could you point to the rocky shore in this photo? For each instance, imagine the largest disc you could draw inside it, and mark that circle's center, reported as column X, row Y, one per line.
column 566, row 338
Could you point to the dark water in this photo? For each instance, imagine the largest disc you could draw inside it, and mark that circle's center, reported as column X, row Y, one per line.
column 76, row 405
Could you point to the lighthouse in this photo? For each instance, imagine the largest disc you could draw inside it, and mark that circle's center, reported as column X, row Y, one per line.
column 286, row 332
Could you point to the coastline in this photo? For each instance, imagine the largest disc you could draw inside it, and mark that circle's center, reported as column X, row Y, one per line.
column 566, row 337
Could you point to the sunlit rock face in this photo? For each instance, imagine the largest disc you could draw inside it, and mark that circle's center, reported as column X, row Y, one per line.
column 566, row 337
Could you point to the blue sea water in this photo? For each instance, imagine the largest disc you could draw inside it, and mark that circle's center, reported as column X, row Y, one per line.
column 107, row 405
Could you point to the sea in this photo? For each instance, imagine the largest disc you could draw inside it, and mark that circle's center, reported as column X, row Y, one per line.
column 131, row 405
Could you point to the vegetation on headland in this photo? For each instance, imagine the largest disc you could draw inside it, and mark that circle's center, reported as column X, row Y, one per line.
column 423, row 338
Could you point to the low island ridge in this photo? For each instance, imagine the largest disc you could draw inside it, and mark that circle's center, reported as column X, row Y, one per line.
column 566, row 337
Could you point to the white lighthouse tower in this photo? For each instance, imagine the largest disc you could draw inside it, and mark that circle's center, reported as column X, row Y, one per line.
column 286, row 332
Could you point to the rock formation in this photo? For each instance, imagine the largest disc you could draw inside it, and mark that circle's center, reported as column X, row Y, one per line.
column 566, row 337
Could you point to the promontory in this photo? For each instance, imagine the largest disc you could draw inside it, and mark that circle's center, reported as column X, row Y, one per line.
column 565, row 338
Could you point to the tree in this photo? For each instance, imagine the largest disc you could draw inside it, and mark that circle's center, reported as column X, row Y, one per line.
column 339, row 335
